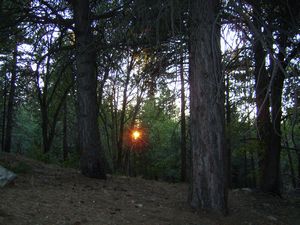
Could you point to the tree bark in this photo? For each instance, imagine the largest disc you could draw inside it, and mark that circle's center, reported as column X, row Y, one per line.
column 92, row 162
column 208, row 186
column 11, row 99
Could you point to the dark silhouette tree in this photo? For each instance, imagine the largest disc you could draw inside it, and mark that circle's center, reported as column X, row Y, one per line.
column 92, row 162
column 11, row 100
column 273, row 24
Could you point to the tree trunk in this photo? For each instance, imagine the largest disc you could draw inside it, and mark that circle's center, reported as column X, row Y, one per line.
column 182, row 123
column 4, row 112
column 245, row 169
column 298, row 180
column 42, row 93
column 122, row 118
column 263, row 120
column 92, row 162
column 270, row 176
column 271, row 182
column 11, row 99
column 228, row 130
column 45, row 122
column 208, row 186
column 290, row 159
column 291, row 165
column 114, row 127
column 65, row 133
column 253, row 170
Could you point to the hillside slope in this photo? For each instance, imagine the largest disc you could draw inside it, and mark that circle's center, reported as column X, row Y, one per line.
column 49, row 195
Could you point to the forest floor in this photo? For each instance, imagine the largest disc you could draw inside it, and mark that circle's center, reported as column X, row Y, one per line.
column 50, row 195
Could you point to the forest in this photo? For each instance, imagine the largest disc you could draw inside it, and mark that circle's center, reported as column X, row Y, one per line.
column 202, row 92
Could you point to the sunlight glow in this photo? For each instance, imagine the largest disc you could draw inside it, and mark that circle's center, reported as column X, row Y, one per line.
column 136, row 135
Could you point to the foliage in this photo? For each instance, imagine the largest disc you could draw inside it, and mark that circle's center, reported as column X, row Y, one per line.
column 26, row 134
column 162, row 156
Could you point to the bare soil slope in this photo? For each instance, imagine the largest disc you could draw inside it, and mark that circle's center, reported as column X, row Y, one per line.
column 49, row 195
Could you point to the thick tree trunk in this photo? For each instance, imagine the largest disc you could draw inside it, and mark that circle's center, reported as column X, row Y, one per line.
column 10, row 104
column 270, row 173
column 272, row 181
column 208, row 186
column 262, row 81
column 92, row 160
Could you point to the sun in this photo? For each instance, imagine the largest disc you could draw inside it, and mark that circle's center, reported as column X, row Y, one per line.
column 136, row 135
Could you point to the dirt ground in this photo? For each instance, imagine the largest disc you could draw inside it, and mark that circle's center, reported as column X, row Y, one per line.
column 49, row 195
